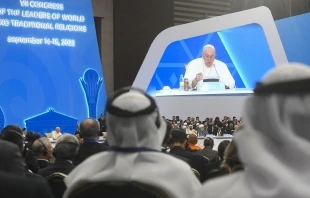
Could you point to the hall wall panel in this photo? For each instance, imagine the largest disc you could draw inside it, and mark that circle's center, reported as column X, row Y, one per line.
column 136, row 24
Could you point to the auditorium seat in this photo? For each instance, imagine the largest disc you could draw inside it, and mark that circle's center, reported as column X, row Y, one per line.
column 196, row 173
column 56, row 182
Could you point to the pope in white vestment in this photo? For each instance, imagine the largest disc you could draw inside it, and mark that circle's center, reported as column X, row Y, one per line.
column 208, row 67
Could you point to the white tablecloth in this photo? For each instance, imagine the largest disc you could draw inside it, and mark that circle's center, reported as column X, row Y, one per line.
column 53, row 142
column 176, row 92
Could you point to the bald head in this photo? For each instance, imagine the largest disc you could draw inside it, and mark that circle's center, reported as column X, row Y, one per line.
column 90, row 129
column 208, row 55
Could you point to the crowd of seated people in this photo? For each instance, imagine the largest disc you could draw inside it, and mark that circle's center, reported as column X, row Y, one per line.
column 31, row 156
column 208, row 126
column 148, row 156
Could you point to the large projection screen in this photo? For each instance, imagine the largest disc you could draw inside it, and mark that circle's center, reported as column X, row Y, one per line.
column 247, row 42
column 50, row 68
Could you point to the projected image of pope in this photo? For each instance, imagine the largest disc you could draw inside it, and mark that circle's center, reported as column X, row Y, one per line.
column 208, row 67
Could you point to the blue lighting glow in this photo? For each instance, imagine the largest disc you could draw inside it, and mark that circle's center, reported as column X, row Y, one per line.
column 41, row 68
column 243, row 49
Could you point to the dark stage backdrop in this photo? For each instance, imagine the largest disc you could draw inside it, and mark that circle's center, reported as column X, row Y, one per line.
column 136, row 24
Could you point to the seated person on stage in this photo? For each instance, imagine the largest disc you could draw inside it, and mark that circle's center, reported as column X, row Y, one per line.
column 216, row 125
column 135, row 134
column 43, row 149
column 221, row 130
column 230, row 129
column 102, row 124
column 174, row 119
column 274, row 142
column 208, row 67
column 197, row 120
column 56, row 134
column 89, row 129
column 191, row 130
column 192, row 143
column 207, row 151
column 178, row 143
column 66, row 148
column 202, row 131
column 178, row 120
column 235, row 122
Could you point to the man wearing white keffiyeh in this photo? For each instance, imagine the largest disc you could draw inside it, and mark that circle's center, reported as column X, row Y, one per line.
column 135, row 134
column 274, row 144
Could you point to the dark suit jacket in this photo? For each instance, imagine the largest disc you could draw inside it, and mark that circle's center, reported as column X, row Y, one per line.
column 102, row 126
column 88, row 149
column 57, row 185
column 210, row 154
column 62, row 166
column 11, row 159
column 27, row 147
column 43, row 163
column 33, row 175
column 230, row 131
column 32, row 162
column 23, row 187
column 196, row 161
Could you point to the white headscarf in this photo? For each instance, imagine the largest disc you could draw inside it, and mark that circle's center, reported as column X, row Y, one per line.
column 152, row 167
column 274, row 144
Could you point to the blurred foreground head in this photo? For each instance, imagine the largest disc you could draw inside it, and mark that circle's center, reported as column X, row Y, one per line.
column 274, row 142
column 276, row 119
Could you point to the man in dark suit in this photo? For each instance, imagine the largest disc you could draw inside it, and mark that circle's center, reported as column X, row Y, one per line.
column 208, row 152
column 13, row 134
column 102, row 124
column 43, row 149
column 11, row 159
column 65, row 150
column 89, row 129
column 198, row 162
column 20, row 186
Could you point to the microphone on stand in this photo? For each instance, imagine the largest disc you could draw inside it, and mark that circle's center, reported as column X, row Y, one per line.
column 216, row 71
column 226, row 87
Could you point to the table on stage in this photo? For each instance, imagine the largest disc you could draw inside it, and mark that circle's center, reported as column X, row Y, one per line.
column 53, row 142
column 217, row 140
column 177, row 92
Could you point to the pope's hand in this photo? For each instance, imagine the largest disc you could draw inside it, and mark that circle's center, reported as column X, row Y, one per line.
column 199, row 76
